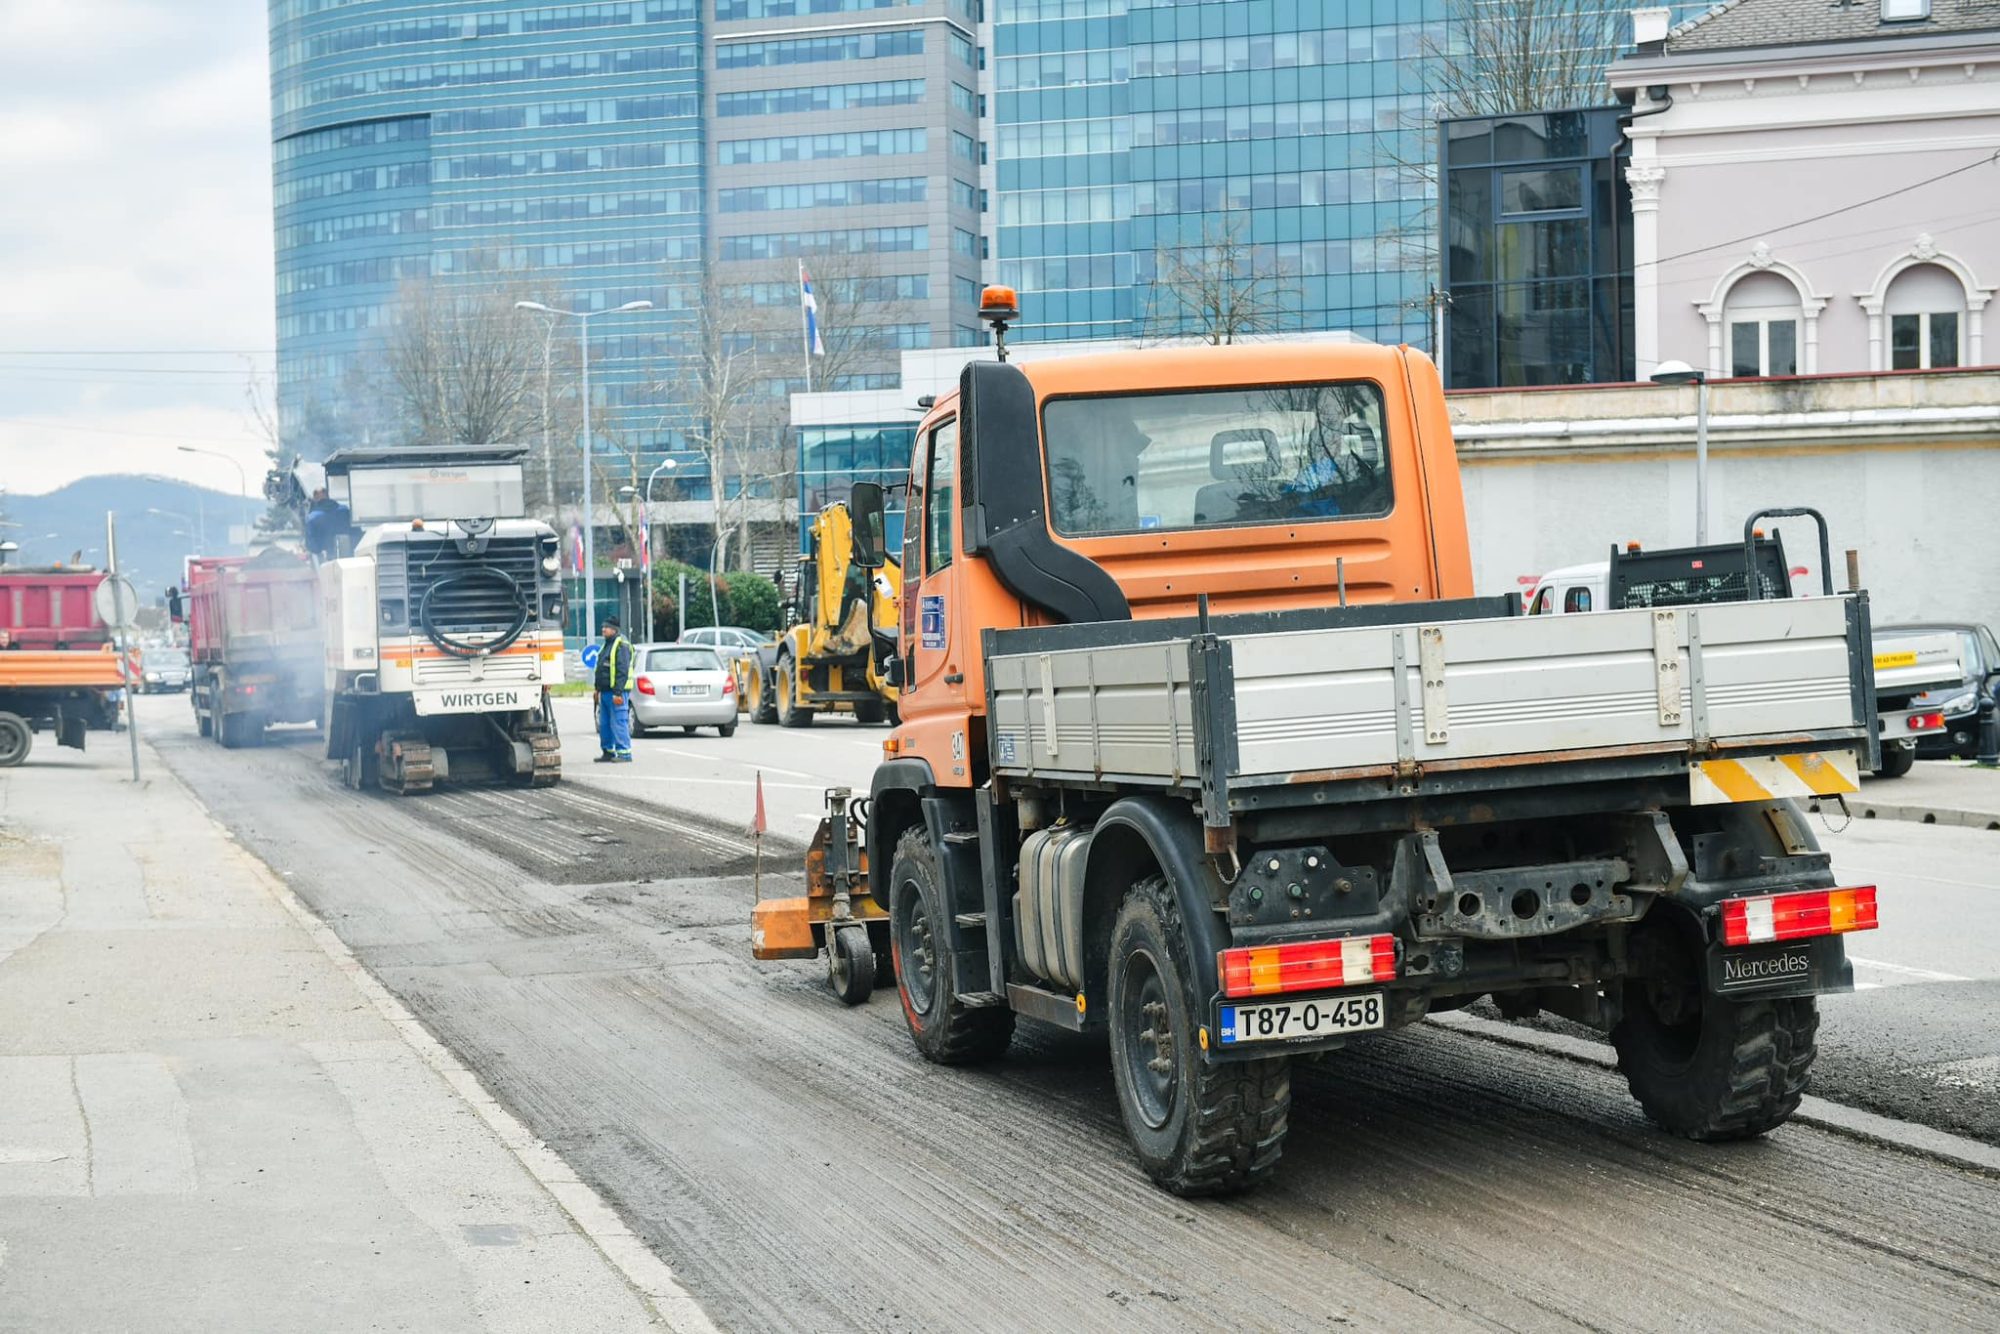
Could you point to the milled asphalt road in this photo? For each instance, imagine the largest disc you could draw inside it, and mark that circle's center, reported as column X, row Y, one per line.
column 800, row 1167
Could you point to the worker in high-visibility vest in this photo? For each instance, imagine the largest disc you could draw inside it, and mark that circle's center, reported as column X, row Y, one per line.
column 613, row 697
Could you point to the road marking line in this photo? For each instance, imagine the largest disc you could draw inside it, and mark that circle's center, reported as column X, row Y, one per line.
column 1921, row 974
column 1900, row 874
column 1838, row 1118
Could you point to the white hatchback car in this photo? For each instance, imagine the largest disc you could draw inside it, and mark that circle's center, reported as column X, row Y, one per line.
column 684, row 686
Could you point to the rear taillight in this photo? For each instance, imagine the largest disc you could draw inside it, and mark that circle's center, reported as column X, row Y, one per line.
column 1925, row 722
column 645, row 685
column 728, row 685
column 1820, row 912
column 1308, row 965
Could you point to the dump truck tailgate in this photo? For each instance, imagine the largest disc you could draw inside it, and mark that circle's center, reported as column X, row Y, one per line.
column 1313, row 704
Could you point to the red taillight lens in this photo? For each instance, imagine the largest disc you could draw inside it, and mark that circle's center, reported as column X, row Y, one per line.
column 1821, row 912
column 1307, row 965
column 729, row 685
column 645, row 684
column 1926, row 722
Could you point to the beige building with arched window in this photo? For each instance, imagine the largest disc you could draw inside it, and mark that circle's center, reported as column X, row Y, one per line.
column 1815, row 186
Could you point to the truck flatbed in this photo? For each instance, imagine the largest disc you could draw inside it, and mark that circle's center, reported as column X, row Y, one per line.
column 1326, row 710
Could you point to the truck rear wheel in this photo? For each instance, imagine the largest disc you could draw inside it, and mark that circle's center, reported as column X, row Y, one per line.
column 945, row 1029
column 1198, row 1128
column 1896, row 761
column 1707, row 1067
column 870, row 712
column 16, row 739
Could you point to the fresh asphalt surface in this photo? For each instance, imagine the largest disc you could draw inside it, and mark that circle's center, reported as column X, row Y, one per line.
column 585, row 950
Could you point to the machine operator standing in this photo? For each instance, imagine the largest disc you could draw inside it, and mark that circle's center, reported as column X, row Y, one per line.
column 612, row 696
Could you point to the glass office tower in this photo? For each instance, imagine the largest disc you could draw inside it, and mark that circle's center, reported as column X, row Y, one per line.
column 1125, row 129
column 558, row 144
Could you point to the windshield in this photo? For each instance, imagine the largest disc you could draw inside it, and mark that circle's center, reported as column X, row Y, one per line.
column 166, row 657
column 1219, row 457
column 683, row 660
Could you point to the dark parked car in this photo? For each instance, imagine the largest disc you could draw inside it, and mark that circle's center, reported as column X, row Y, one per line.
column 1959, row 704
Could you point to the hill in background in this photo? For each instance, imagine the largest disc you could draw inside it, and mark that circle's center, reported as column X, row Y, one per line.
column 151, row 546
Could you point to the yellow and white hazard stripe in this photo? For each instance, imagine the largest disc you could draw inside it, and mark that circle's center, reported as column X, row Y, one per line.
column 1768, row 777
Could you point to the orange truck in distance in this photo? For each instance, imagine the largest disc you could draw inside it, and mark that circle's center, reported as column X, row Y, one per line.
column 1206, row 744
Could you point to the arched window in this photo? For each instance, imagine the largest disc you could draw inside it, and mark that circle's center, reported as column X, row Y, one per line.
column 1763, row 319
column 1925, row 306
column 1926, row 311
column 1761, row 316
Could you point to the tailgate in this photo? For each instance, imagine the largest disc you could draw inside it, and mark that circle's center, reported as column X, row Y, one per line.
column 1912, row 664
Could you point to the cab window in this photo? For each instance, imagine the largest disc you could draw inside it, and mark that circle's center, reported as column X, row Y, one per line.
column 1577, row 599
column 940, row 494
column 1216, row 457
column 1544, row 599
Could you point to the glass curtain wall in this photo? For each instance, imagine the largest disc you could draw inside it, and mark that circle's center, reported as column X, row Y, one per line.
column 1537, row 249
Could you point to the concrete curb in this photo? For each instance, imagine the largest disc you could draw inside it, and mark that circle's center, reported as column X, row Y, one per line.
column 1875, row 810
column 649, row 1276
column 1904, row 1136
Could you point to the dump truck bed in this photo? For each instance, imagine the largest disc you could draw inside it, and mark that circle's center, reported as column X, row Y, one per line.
column 1425, row 690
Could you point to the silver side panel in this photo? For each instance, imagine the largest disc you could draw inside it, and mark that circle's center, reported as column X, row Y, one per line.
column 1312, row 701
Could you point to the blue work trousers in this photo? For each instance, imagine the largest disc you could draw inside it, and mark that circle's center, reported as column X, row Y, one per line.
column 614, row 724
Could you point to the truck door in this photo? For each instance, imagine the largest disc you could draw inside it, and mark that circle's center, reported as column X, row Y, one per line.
column 936, row 581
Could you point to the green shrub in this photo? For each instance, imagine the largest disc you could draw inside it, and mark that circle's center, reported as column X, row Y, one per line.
column 702, row 608
column 753, row 601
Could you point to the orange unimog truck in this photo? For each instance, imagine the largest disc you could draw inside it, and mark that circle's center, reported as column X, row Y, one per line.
column 1205, row 742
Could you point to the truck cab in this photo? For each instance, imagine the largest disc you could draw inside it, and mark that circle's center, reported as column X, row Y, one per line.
column 1260, row 478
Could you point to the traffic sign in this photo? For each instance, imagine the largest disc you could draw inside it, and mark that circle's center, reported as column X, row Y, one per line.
column 589, row 655
column 117, row 602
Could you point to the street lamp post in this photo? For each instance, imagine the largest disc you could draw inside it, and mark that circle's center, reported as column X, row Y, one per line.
column 583, row 318
column 242, row 482
column 1679, row 372
column 646, row 543
column 199, row 528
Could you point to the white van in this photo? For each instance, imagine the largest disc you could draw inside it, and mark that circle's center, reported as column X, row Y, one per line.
column 1573, row 588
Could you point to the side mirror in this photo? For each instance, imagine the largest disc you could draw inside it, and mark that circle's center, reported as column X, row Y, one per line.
column 892, row 672
column 864, row 508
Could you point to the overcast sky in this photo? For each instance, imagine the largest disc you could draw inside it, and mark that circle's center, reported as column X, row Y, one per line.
column 135, row 217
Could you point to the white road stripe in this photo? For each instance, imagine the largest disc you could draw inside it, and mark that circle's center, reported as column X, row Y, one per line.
column 1915, row 974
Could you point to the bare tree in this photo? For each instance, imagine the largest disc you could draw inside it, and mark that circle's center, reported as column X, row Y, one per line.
column 460, row 365
column 465, row 367
column 1220, row 290
column 722, row 383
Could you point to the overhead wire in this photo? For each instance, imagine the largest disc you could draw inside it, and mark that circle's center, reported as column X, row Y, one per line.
column 1833, row 212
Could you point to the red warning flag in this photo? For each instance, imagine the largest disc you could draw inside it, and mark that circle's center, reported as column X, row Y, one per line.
column 759, row 824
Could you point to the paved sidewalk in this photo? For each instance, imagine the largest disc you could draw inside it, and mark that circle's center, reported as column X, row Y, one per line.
column 1951, row 792
column 212, row 1119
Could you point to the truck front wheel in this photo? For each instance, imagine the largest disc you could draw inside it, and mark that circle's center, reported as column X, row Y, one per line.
column 1708, row 1067
column 945, row 1029
column 1198, row 1128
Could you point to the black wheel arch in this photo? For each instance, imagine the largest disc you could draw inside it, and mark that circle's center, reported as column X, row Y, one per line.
column 1139, row 836
column 895, row 803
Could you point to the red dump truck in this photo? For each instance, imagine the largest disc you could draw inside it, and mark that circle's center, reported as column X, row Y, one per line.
column 50, row 607
column 254, row 639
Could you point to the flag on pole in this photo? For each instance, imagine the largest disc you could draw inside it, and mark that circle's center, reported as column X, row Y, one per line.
column 576, row 547
column 645, row 543
column 757, row 823
column 810, row 305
